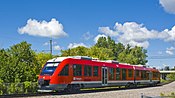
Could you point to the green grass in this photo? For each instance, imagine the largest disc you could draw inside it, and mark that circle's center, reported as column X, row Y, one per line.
column 170, row 95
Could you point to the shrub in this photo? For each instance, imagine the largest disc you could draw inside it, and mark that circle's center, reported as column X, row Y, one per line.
column 18, row 88
column 171, row 77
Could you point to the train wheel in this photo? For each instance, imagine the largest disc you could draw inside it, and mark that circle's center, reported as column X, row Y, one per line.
column 131, row 85
column 72, row 89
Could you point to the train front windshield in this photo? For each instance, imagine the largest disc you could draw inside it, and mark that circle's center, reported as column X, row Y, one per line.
column 49, row 68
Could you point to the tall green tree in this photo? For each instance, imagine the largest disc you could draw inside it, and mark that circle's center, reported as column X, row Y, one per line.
column 80, row 50
column 100, row 53
column 42, row 58
column 96, row 52
column 136, row 55
column 106, row 48
column 108, row 43
column 20, row 64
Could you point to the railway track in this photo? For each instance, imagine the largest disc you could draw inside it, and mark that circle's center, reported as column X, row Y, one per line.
column 82, row 91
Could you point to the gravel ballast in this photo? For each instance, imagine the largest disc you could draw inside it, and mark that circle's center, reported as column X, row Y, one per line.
column 129, row 93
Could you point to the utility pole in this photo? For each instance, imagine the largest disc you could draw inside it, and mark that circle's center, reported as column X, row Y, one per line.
column 51, row 46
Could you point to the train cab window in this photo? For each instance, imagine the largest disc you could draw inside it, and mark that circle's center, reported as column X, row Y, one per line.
column 65, row 71
column 77, row 70
column 130, row 73
column 95, row 71
column 123, row 74
column 49, row 68
column 111, row 73
column 117, row 73
column 87, row 70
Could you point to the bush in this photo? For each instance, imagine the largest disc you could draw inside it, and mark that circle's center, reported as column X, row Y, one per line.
column 171, row 77
column 2, row 87
column 18, row 88
column 30, row 87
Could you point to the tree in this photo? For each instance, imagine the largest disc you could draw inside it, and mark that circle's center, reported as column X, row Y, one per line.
column 167, row 67
column 80, row 50
column 102, row 42
column 19, row 64
column 136, row 55
column 171, row 76
column 100, row 53
column 106, row 48
column 110, row 44
column 42, row 58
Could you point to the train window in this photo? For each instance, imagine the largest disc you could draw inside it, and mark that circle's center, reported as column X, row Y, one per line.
column 137, row 73
column 130, row 73
column 117, row 73
column 111, row 73
column 77, row 70
column 143, row 74
column 65, row 71
column 95, row 71
column 87, row 70
column 123, row 74
column 147, row 75
column 155, row 74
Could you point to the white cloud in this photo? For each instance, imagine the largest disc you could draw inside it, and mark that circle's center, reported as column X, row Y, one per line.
column 170, row 50
column 107, row 31
column 56, row 47
column 168, row 5
column 135, row 34
column 52, row 29
column 48, row 43
column 87, row 36
column 74, row 45
column 98, row 36
column 169, row 35
column 138, row 35
column 54, row 43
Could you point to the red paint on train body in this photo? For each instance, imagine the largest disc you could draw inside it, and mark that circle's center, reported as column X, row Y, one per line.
column 65, row 73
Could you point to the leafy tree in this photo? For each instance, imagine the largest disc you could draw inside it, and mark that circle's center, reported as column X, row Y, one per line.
column 101, row 53
column 110, row 44
column 167, row 68
column 42, row 58
column 80, row 50
column 106, row 48
column 171, row 77
column 19, row 64
column 136, row 55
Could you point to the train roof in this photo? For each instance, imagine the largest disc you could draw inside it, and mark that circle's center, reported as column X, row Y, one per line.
column 59, row 59
column 106, row 62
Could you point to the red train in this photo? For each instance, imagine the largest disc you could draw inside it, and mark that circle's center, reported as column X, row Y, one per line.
column 73, row 73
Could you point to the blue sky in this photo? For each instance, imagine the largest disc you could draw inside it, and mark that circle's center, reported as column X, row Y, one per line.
column 71, row 23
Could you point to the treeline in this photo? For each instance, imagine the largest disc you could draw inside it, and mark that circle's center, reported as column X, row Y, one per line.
column 20, row 65
column 107, row 49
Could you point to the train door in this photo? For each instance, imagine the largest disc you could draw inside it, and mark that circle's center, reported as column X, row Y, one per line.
column 150, row 76
column 104, row 76
column 123, row 74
